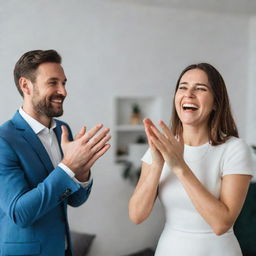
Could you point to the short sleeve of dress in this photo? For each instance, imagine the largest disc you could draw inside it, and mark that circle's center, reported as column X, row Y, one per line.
column 237, row 158
column 147, row 158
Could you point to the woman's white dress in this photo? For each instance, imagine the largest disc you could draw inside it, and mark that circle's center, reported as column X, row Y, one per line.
column 186, row 233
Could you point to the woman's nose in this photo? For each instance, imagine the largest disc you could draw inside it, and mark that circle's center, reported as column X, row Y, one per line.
column 189, row 92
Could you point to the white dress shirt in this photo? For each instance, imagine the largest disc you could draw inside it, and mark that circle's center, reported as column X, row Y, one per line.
column 49, row 140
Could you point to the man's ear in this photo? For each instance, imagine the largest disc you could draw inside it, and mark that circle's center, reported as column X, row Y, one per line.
column 25, row 85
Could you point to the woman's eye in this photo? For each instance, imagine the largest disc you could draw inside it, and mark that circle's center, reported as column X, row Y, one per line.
column 182, row 88
column 201, row 89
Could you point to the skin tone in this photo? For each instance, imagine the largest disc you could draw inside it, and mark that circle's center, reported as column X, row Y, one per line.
column 194, row 90
column 43, row 100
column 193, row 102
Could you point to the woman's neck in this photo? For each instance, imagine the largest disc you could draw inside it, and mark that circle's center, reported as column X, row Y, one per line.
column 195, row 136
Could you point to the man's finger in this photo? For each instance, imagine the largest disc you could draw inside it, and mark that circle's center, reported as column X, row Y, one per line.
column 81, row 133
column 101, row 143
column 64, row 134
column 96, row 139
column 87, row 136
column 97, row 156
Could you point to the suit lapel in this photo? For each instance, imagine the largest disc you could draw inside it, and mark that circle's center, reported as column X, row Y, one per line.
column 58, row 132
column 33, row 140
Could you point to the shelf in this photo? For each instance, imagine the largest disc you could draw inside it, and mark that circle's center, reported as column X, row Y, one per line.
column 130, row 141
column 129, row 128
column 122, row 158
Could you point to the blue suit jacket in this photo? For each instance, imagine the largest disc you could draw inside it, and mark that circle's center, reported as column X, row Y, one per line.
column 33, row 194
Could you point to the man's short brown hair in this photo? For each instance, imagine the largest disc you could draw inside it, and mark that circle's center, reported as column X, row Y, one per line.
column 28, row 63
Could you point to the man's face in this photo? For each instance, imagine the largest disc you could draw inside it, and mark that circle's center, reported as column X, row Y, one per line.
column 49, row 90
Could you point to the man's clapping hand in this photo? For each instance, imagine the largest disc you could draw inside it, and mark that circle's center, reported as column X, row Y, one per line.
column 81, row 153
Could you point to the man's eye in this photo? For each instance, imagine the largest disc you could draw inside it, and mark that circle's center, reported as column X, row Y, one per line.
column 53, row 83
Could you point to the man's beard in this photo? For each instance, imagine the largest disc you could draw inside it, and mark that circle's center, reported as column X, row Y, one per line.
column 46, row 108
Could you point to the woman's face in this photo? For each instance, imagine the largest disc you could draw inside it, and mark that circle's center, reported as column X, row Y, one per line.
column 194, row 99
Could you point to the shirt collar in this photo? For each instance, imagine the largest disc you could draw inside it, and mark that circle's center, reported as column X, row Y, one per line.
column 36, row 126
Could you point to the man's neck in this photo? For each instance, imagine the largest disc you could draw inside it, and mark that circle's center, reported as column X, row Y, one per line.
column 44, row 120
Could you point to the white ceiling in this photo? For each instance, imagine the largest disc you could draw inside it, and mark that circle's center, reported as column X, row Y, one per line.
column 244, row 7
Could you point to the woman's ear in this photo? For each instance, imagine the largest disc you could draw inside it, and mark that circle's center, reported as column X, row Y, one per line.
column 25, row 85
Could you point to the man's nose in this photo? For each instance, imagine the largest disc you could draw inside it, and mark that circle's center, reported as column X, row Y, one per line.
column 62, row 90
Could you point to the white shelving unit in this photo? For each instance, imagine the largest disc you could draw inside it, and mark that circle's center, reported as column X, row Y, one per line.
column 127, row 136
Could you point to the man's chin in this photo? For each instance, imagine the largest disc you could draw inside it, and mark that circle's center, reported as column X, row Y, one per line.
column 54, row 113
column 58, row 114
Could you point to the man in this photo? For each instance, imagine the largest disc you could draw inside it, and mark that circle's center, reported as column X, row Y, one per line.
column 41, row 168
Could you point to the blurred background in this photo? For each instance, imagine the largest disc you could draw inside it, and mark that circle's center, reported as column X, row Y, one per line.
column 122, row 59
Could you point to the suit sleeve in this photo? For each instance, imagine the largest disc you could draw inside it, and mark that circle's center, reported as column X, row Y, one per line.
column 79, row 197
column 25, row 204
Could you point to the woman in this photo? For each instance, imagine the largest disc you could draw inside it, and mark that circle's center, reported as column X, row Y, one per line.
column 199, row 168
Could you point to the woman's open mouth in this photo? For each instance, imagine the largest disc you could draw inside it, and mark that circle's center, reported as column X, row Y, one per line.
column 189, row 107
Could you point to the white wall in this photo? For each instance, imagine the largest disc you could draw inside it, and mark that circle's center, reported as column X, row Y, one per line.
column 251, row 92
column 111, row 49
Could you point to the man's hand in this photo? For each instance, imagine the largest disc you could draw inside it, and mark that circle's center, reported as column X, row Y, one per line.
column 81, row 154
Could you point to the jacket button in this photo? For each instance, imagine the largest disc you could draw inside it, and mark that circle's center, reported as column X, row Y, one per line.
column 66, row 194
column 68, row 191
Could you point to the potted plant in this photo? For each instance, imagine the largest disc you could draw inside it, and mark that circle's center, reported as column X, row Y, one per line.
column 136, row 115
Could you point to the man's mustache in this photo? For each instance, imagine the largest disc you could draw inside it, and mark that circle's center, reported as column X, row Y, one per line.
column 57, row 97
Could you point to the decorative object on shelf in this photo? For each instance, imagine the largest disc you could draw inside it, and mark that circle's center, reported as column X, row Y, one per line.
column 120, row 152
column 141, row 139
column 136, row 115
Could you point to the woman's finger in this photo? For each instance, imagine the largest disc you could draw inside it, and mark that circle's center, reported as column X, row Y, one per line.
column 158, row 145
column 159, row 135
column 148, row 135
column 147, row 124
column 166, row 130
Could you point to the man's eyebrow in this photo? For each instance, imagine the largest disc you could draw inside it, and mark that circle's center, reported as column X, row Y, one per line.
column 56, row 79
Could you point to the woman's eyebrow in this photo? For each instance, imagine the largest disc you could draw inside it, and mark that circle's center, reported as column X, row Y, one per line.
column 200, row 84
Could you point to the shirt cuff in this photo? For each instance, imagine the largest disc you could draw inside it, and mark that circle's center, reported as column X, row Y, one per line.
column 71, row 174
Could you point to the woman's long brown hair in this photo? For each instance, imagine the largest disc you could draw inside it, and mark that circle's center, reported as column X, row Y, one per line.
column 221, row 124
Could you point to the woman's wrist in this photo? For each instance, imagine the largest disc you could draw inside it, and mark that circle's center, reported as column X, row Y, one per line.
column 157, row 166
column 180, row 169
